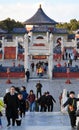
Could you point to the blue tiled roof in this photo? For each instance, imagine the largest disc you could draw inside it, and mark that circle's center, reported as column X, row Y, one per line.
column 40, row 29
column 60, row 31
column 19, row 30
column 2, row 31
column 44, row 28
column 71, row 36
column 40, row 18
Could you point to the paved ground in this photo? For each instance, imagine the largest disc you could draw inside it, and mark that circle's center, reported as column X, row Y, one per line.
column 37, row 121
column 41, row 121
column 55, row 87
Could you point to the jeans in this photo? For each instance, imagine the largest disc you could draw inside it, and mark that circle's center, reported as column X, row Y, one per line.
column 32, row 106
column 38, row 92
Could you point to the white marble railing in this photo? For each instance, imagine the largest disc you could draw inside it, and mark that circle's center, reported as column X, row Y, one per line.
column 39, row 48
column 63, row 100
column 70, row 44
column 10, row 43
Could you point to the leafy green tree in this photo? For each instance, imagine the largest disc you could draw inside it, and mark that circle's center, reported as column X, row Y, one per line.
column 71, row 26
column 8, row 24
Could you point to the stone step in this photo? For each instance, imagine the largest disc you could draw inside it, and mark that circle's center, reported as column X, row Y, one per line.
column 42, row 120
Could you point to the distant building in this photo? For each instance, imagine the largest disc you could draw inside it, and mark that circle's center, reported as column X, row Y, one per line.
column 44, row 39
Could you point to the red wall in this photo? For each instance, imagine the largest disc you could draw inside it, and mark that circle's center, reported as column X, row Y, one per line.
column 13, row 74
column 64, row 75
column 10, row 53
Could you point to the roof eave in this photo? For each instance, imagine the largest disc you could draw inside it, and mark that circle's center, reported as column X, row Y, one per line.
column 31, row 23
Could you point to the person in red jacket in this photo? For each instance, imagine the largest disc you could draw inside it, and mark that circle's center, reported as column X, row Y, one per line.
column 31, row 99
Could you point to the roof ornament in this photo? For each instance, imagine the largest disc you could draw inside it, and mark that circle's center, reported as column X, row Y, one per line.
column 40, row 6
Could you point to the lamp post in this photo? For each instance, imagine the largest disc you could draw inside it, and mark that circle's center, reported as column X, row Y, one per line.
column 68, row 76
column 8, row 73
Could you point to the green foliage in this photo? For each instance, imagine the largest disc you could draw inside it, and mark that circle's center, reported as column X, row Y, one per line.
column 71, row 26
column 8, row 24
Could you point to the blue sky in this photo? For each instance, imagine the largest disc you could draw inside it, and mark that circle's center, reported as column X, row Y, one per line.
column 21, row 10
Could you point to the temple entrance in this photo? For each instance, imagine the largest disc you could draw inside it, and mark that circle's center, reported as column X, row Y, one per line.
column 39, row 67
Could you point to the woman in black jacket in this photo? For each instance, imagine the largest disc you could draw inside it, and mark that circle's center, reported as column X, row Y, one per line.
column 11, row 105
column 72, row 107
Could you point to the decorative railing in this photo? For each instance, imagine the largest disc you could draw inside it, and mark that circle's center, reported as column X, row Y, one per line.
column 64, row 69
column 19, row 68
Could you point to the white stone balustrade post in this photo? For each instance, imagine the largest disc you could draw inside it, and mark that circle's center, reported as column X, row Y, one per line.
column 26, row 52
column 62, row 44
column 63, row 100
column 16, row 40
column 47, row 37
column 50, row 66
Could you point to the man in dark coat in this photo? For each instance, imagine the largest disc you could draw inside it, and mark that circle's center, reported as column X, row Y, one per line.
column 49, row 102
column 38, row 86
column 42, row 102
column 27, row 75
column 72, row 106
column 11, row 105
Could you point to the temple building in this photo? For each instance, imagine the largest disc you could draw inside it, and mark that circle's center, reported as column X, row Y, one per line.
column 44, row 39
column 39, row 43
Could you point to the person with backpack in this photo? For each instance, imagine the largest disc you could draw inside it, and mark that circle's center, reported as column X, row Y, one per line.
column 72, row 107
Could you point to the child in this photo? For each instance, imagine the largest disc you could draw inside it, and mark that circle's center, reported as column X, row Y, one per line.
column 22, row 105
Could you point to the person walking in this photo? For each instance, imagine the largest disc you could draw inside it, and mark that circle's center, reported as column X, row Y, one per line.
column 38, row 88
column 27, row 75
column 32, row 66
column 11, row 106
column 24, row 92
column 31, row 99
column 49, row 101
column 72, row 107
column 22, row 105
column 42, row 102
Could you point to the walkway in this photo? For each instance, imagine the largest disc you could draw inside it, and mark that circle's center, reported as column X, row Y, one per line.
column 41, row 121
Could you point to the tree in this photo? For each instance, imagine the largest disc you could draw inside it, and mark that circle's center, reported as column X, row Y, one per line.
column 8, row 24
column 71, row 26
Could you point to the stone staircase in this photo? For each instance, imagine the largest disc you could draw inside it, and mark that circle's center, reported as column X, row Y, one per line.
column 33, row 75
column 41, row 121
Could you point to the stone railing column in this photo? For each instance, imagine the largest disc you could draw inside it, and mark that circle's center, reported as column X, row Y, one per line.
column 63, row 100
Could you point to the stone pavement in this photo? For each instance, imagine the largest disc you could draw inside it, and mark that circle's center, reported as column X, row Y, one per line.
column 40, row 121
column 55, row 87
